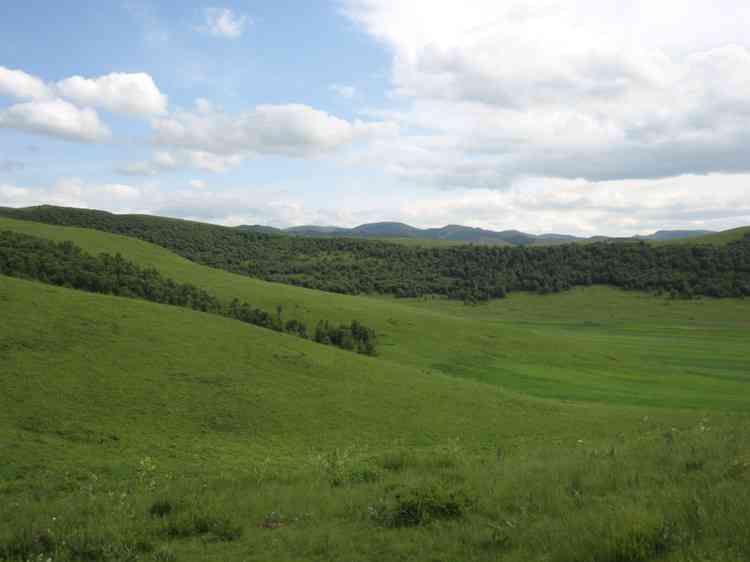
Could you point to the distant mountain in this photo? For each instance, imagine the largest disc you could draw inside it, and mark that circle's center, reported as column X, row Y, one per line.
column 260, row 228
column 387, row 230
column 309, row 230
column 459, row 233
column 664, row 235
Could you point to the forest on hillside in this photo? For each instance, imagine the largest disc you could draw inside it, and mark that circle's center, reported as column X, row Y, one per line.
column 66, row 265
column 468, row 273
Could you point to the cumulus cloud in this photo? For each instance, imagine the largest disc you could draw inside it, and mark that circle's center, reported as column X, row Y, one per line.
column 73, row 192
column 217, row 141
column 18, row 84
column 223, row 22
column 66, row 109
column 599, row 90
column 164, row 161
column 131, row 94
column 56, row 118
column 161, row 161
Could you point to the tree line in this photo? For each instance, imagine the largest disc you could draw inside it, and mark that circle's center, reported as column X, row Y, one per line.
column 66, row 265
column 469, row 273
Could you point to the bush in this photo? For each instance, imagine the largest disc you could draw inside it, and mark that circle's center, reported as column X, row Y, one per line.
column 194, row 524
column 160, row 508
column 420, row 506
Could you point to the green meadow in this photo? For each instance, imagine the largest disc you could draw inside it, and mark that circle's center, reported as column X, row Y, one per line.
column 594, row 425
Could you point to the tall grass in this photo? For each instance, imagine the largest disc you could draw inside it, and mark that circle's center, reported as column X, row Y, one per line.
column 660, row 493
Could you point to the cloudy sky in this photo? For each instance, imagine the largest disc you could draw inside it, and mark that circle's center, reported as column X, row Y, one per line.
column 575, row 116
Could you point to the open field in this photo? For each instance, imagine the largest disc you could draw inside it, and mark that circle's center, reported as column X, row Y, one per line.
column 264, row 444
column 595, row 425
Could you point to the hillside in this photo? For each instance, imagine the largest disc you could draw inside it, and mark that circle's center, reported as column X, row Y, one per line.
column 718, row 238
column 580, row 425
column 591, row 344
column 204, row 438
column 468, row 273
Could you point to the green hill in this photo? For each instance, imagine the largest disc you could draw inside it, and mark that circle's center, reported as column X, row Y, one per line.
column 595, row 424
column 469, row 273
column 588, row 344
column 717, row 239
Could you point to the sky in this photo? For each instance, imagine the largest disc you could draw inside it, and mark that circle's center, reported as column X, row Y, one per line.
column 578, row 116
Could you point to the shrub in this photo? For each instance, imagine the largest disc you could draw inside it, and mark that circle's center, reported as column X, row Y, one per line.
column 192, row 524
column 420, row 506
column 160, row 508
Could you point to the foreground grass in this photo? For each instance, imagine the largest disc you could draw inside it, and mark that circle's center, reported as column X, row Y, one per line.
column 595, row 344
column 666, row 494
column 136, row 431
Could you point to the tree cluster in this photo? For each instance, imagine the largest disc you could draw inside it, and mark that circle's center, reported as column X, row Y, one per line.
column 65, row 264
column 469, row 273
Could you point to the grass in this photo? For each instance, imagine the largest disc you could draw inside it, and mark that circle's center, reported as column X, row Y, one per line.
column 593, row 344
column 594, row 425
column 321, row 435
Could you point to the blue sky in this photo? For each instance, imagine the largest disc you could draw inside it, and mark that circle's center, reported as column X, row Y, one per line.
column 580, row 116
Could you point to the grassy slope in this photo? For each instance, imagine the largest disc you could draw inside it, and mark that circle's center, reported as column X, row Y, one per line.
column 110, row 405
column 588, row 344
column 223, row 420
column 166, row 377
column 717, row 239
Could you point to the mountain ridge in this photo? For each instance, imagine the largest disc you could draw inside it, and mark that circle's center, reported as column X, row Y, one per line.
column 462, row 233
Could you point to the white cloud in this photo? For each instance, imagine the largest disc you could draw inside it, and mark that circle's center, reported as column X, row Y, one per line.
column 18, row 84
column 211, row 162
column 535, row 205
column 132, row 94
column 223, row 22
column 121, row 191
column 73, row 192
column 582, row 88
column 164, row 161
column 55, row 118
column 347, row 92
column 217, row 140
column 161, row 161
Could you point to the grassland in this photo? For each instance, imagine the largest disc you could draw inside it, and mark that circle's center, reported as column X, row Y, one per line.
column 594, row 425
column 596, row 344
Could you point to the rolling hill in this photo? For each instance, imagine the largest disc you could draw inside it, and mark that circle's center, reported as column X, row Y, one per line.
column 469, row 273
column 594, row 424
column 579, row 345
column 458, row 233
